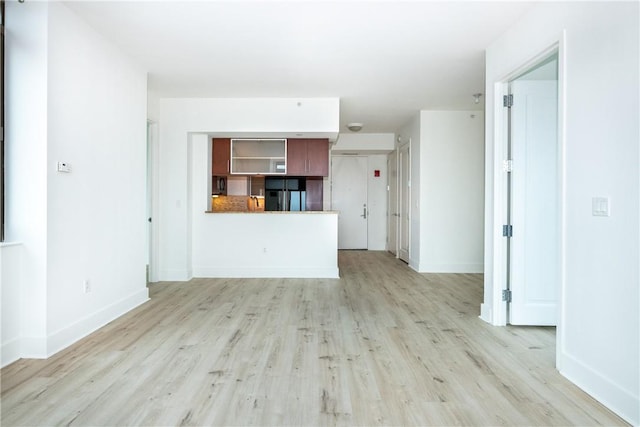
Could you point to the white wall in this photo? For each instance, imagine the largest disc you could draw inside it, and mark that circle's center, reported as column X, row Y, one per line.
column 599, row 328
column 315, row 117
column 364, row 143
column 73, row 97
column 26, row 162
column 446, row 191
column 11, row 280
column 451, row 191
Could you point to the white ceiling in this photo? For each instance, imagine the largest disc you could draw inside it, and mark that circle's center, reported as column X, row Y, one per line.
column 385, row 60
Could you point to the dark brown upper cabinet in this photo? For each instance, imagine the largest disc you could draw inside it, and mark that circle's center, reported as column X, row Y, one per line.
column 308, row 157
column 221, row 162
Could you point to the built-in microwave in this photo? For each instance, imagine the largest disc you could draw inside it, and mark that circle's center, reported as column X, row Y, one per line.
column 219, row 185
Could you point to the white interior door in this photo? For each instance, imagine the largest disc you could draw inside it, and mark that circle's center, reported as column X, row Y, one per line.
column 349, row 198
column 392, row 209
column 404, row 188
column 535, row 215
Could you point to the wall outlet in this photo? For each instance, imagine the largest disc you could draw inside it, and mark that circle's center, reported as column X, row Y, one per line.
column 86, row 286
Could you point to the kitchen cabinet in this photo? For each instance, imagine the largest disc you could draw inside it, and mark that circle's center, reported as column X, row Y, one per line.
column 221, row 162
column 258, row 156
column 308, row 157
column 314, row 194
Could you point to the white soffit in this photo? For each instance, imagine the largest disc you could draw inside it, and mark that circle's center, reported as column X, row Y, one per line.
column 385, row 60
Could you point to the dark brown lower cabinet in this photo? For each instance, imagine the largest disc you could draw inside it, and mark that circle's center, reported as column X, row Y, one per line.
column 314, row 194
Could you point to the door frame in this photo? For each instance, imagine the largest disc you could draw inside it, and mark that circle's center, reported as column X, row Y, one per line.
column 153, row 180
column 392, row 158
column 404, row 189
column 501, row 88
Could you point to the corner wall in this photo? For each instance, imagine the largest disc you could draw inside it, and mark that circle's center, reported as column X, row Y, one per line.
column 451, row 191
column 446, row 191
column 73, row 97
column 599, row 329
column 26, row 50
column 10, row 289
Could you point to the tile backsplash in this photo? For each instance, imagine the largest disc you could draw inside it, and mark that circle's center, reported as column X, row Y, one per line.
column 236, row 204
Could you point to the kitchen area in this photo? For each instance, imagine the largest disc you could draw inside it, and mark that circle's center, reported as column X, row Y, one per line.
column 264, row 213
column 268, row 174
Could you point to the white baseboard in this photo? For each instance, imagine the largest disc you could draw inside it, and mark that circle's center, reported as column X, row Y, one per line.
column 621, row 401
column 33, row 347
column 175, row 275
column 452, row 268
column 265, row 272
column 486, row 313
column 64, row 337
column 10, row 352
column 44, row 347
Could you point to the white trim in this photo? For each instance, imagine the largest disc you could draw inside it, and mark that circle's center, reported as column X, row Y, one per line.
column 68, row 335
column 452, row 268
column 265, row 272
column 33, row 347
column 485, row 313
column 45, row 347
column 7, row 244
column 154, row 148
column 499, row 307
column 623, row 402
column 10, row 352
column 175, row 275
column 562, row 196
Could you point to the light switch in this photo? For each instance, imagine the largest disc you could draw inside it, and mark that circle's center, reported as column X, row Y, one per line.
column 600, row 206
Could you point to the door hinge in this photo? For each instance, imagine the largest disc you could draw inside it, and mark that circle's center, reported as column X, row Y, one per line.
column 506, row 295
column 507, row 165
column 507, row 101
column 507, row 230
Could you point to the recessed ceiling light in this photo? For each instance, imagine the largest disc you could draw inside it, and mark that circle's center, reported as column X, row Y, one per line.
column 354, row 127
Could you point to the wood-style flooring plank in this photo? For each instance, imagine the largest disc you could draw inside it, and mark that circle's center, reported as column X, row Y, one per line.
column 382, row 345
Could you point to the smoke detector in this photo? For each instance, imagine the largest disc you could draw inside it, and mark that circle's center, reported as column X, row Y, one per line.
column 354, row 127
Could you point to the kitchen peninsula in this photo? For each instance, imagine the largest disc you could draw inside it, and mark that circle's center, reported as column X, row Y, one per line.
column 267, row 244
column 254, row 243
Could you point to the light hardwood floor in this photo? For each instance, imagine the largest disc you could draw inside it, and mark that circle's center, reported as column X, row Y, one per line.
column 383, row 345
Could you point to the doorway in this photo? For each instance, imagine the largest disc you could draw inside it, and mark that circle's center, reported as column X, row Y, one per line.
column 392, row 200
column 152, row 197
column 349, row 197
column 404, row 189
column 533, row 196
